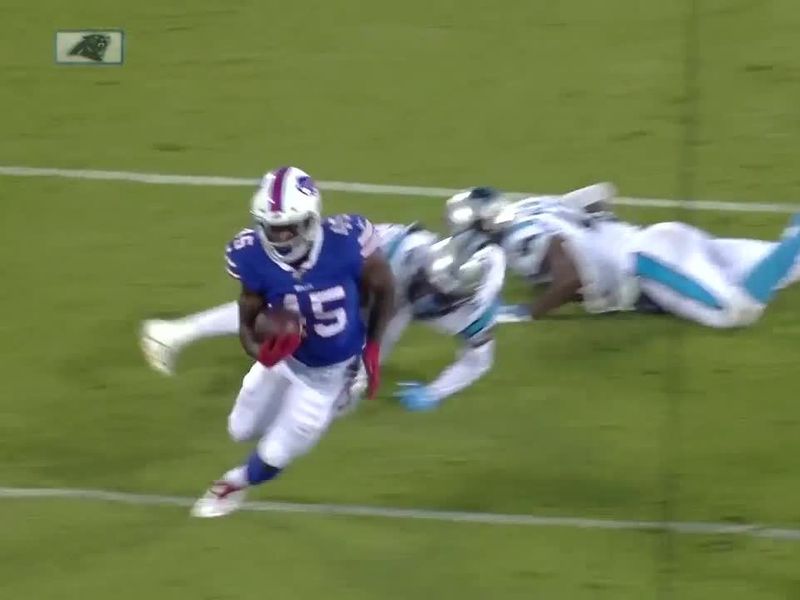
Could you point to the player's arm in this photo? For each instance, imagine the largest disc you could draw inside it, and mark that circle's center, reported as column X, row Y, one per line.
column 595, row 198
column 565, row 281
column 377, row 290
column 250, row 302
column 477, row 353
column 474, row 361
column 377, row 282
column 250, row 305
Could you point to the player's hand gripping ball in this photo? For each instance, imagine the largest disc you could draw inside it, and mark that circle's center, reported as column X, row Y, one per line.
column 277, row 322
column 280, row 332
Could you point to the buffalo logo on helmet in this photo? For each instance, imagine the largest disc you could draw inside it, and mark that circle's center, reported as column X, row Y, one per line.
column 92, row 46
column 306, row 185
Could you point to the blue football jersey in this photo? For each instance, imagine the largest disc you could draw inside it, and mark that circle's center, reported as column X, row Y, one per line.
column 325, row 291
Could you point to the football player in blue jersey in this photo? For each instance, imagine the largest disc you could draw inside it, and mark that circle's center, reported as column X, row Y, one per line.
column 326, row 271
column 439, row 283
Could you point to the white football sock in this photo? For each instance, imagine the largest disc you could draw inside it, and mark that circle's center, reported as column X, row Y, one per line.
column 237, row 476
column 220, row 320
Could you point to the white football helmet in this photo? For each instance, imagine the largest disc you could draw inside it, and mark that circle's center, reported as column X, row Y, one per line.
column 286, row 211
column 481, row 208
column 452, row 271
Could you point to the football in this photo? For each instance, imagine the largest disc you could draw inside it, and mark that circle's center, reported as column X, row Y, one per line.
column 273, row 322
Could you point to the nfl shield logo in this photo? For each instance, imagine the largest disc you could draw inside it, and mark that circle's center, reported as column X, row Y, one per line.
column 90, row 47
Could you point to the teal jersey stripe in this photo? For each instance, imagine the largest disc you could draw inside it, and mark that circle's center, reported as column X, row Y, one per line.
column 394, row 246
column 482, row 322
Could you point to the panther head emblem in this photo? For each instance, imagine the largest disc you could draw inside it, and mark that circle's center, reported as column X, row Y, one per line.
column 92, row 46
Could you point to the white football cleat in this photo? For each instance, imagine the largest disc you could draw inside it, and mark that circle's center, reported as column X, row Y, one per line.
column 221, row 499
column 161, row 343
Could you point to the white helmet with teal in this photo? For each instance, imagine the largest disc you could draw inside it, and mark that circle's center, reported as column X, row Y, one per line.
column 452, row 270
column 481, row 208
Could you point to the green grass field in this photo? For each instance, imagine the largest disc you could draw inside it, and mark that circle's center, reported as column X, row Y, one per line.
column 610, row 418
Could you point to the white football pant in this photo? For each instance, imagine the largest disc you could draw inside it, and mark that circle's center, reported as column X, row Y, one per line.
column 287, row 408
column 691, row 275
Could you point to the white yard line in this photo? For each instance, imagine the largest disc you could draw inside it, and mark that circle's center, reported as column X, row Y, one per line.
column 368, row 188
column 444, row 516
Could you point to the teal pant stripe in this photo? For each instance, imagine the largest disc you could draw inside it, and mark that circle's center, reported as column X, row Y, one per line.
column 649, row 268
column 761, row 282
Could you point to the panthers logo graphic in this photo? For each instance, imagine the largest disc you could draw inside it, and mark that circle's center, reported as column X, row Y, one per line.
column 92, row 46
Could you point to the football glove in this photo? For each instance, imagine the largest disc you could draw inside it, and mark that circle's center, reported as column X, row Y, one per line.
column 372, row 364
column 415, row 396
column 275, row 349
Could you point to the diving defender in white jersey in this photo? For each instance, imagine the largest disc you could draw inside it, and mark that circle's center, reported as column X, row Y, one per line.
column 444, row 285
column 615, row 266
column 325, row 270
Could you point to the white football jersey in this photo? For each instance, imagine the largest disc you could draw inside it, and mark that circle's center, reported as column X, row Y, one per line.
column 473, row 319
column 599, row 245
column 406, row 250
